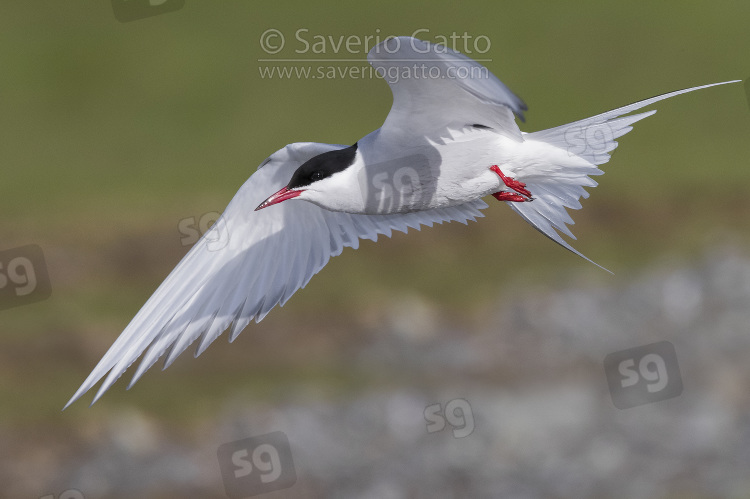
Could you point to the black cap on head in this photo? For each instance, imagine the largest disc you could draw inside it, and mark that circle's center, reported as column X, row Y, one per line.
column 323, row 166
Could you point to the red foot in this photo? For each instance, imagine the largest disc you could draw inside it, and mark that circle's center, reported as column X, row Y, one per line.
column 509, row 196
column 517, row 186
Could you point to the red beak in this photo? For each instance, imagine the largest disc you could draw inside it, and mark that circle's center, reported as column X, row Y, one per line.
column 280, row 196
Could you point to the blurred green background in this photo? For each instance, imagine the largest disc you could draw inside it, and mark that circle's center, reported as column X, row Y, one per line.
column 111, row 133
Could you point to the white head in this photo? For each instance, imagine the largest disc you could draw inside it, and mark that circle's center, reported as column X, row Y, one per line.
column 328, row 180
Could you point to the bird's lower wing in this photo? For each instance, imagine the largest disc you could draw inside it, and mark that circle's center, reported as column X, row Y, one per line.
column 245, row 265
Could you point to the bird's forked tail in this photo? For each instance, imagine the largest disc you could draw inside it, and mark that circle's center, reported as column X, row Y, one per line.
column 565, row 158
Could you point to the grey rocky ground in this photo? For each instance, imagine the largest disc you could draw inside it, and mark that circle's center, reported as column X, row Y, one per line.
column 531, row 371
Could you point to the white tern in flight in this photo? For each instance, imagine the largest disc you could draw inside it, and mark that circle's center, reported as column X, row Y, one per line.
column 449, row 140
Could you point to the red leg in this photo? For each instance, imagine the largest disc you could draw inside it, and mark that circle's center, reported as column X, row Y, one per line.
column 509, row 196
column 517, row 186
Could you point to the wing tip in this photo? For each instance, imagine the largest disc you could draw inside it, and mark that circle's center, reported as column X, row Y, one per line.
column 82, row 390
column 70, row 402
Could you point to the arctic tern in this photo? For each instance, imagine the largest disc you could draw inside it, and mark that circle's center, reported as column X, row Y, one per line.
column 449, row 140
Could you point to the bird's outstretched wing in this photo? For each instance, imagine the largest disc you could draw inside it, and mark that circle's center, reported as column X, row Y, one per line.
column 435, row 87
column 246, row 264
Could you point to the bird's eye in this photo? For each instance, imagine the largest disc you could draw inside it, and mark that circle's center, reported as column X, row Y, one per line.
column 316, row 176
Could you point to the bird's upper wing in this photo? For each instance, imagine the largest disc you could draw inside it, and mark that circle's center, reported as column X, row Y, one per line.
column 247, row 263
column 435, row 87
